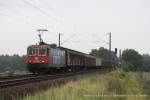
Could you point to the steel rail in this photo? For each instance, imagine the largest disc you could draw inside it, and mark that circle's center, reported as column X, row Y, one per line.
column 32, row 79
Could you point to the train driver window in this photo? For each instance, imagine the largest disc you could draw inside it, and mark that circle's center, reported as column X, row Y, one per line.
column 42, row 51
column 31, row 51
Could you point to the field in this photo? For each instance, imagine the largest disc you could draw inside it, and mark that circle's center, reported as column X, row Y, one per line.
column 115, row 85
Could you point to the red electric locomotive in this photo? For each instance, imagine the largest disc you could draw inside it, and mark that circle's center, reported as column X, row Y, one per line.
column 44, row 58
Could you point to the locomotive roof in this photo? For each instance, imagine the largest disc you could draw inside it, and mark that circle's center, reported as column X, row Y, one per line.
column 38, row 46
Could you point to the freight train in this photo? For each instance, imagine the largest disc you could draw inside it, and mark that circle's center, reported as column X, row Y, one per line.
column 46, row 58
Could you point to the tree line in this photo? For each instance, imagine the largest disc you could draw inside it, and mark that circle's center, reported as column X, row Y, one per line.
column 130, row 59
column 134, row 61
column 12, row 63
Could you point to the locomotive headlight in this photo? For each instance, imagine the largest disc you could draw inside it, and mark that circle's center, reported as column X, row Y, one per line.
column 30, row 61
column 43, row 61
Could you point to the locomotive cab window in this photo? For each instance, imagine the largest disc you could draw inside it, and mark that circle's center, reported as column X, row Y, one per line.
column 42, row 51
column 31, row 51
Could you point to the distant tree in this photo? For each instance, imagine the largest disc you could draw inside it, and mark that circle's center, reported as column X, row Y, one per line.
column 132, row 59
column 105, row 54
column 101, row 52
column 146, row 62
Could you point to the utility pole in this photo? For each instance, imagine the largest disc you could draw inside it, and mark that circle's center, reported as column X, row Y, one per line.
column 59, row 40
column 110, row 46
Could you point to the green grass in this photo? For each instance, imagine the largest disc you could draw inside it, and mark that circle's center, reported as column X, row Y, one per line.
column 97, row 87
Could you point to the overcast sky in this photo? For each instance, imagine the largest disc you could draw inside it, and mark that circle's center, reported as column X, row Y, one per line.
column 84, row 24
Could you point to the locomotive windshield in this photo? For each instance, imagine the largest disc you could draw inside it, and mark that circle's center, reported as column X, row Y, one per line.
column 31, row 51
column 42, row 51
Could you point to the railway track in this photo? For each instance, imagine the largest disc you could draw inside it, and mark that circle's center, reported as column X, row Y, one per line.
column 7, row 77
column 31, row 79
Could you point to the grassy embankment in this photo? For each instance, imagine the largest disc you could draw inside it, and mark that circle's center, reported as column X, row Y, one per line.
column 116, row 85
